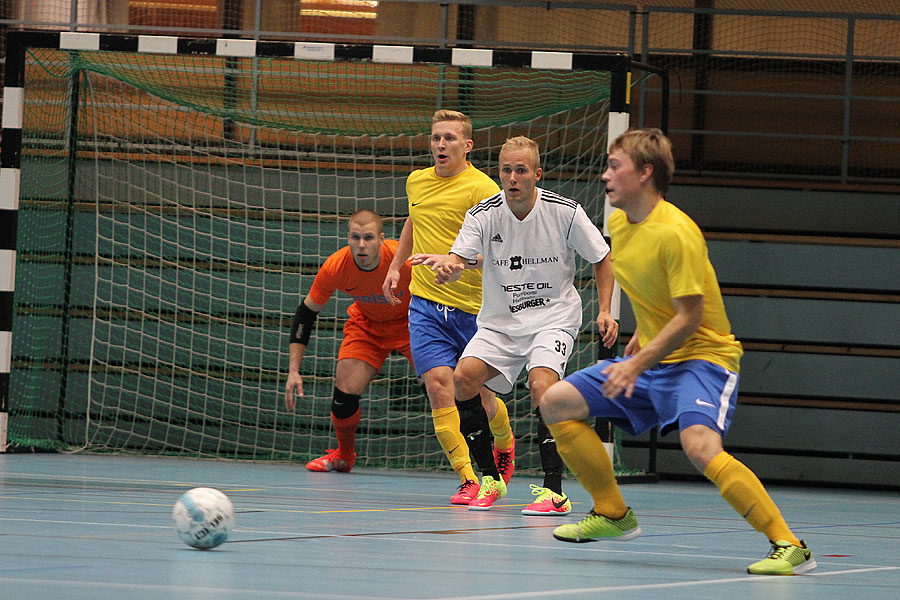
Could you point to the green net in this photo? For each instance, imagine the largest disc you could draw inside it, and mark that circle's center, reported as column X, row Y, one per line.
column 345, row 98
column 175, row 209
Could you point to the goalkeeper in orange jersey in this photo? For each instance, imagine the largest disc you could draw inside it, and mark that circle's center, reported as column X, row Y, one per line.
column 680, row 369
column 374, row 329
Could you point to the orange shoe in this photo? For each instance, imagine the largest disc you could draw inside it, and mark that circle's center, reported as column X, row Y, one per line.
column 506, row 461
column 468, row 491
column 332, row 462
column 547, row 502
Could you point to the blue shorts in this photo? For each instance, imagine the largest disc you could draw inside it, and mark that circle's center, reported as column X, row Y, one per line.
column 694, row 392
column 438, row 334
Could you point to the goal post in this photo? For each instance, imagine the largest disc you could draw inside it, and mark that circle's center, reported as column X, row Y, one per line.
column 170, row 200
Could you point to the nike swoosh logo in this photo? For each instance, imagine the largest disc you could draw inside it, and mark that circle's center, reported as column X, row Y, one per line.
column 417, row 203
column 702, row 403
column 454, row 449
column 561, row 503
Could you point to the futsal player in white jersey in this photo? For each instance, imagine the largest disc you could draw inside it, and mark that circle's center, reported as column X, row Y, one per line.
column 525, row 239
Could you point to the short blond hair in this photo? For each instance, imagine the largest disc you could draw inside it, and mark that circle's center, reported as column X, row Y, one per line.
column 520, row 142
column 454, row 115
column 366, row 216
column 649, row 147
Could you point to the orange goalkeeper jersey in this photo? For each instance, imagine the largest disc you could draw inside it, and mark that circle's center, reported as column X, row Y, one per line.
column 339, row 272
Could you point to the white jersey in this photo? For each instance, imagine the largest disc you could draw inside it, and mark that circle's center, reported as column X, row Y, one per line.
column 529, row 265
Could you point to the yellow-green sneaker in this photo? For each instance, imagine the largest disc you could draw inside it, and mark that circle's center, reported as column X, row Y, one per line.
column 491, row 491
column 785, row 559
column 595, row 527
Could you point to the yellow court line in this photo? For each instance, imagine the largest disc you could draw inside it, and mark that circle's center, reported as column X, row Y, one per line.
column 223, row 490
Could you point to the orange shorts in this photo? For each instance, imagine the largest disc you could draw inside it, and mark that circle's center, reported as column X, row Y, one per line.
column 372, row 341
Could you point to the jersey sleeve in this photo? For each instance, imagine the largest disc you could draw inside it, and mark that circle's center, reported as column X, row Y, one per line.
column 684, row 251
column 326, row 281
column 586, row 239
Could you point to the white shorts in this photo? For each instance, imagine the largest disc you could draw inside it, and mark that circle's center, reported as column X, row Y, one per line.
column 551, row 349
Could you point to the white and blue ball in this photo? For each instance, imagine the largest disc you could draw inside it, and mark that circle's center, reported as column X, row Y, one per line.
column 204, row 517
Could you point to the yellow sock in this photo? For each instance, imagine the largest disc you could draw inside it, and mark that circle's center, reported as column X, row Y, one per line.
column 446, row 428
column 500, row 428
column 746, row 494
column 584, row 454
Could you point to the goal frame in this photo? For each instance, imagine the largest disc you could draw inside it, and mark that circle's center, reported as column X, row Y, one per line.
column 20, row 41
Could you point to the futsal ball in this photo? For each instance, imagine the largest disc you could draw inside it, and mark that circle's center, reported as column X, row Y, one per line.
column 203, row 517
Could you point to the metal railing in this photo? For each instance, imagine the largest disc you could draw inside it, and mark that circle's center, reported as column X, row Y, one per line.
column 814, row 109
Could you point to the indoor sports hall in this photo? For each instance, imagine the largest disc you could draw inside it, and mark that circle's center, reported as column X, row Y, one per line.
column 173, row 175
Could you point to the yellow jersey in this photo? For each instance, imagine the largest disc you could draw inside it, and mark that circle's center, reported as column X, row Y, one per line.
column 664, row 257
column 437, row 207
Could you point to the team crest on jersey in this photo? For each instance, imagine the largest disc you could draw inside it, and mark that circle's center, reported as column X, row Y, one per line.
column 518, row 262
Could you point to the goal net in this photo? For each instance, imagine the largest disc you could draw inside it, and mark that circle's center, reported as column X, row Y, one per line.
column 177, row 199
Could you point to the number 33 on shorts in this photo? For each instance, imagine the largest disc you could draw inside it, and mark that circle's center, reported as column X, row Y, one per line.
column 552, row 349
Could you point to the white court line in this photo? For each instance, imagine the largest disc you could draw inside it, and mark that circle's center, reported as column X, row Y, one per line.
column 568, row 593
column 250, row 593
column 93, row 524
column 204, row 591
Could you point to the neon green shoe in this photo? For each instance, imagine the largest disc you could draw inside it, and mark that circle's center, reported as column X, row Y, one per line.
column 785, row 559
column 491, row 491
column 595, row 527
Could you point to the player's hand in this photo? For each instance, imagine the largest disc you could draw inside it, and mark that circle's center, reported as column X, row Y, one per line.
column 444, row 266
column 633, row 346
column 448, row 272
column 420, row 258
column 609, row 329
column 620, row 378
column 389, row 287
column 293, row 388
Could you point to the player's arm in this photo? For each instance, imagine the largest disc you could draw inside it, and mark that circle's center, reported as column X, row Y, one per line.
column 301, row 329
column 621, row 376
column 605, row 282
column 446, row 267
column 404, row 249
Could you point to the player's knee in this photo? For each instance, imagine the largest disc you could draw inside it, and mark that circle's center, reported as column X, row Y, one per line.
column 550, row 405
column 701, row 444
column 538, row 390
column 439, row 385
column 344, row 405
column 465, row 384
column 562, row 402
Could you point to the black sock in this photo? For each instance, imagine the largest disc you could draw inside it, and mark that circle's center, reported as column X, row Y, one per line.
column 473, row 424
column 551, row 462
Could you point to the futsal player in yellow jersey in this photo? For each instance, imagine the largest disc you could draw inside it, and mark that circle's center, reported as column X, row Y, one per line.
column 442, row 317
column 680, row 369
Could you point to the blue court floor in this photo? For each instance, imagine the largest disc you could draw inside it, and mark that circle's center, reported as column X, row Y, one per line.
column 99, row 527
